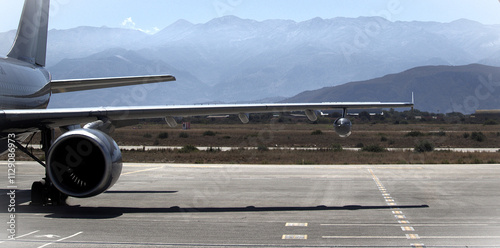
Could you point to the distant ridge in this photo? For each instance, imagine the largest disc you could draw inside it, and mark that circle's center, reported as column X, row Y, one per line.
column 241, row 60
column 438, row 89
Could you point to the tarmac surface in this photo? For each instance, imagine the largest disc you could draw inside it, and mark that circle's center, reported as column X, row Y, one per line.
column 196, row 205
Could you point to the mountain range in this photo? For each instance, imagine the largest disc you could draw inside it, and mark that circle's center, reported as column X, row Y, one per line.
column 437, row 89
column 230, row 59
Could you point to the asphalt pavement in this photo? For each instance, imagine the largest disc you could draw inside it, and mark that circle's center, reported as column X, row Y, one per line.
column 197, row 205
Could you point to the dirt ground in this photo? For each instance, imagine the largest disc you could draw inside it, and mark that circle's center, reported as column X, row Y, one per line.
column 320, row 136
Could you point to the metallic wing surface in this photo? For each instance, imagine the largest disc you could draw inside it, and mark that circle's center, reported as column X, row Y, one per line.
column 22, row 119
column 62, row 86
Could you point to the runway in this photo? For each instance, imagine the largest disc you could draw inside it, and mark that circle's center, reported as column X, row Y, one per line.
column 197, row 205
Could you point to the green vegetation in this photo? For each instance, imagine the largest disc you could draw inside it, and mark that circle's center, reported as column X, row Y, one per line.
column 163, row 135
column 262, row 148
column 414, row 134
column 373, row 148
column 317, row 132
column 209, row 133
column 337, row 148
column 478, row 136
column 490, row 122
column 188, row 149
column 424, row 146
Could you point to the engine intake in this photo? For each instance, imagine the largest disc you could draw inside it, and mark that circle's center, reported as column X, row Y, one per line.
column 84, row 163
column 342, row 127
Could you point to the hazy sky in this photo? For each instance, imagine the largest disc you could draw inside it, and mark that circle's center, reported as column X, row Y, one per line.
column 151, row 15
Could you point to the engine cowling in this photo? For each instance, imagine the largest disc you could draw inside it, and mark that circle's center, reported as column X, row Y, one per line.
column 342, row 127
column 84, row 163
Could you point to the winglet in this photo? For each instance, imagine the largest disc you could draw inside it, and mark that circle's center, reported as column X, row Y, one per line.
column 412, row 101
column 31, row 40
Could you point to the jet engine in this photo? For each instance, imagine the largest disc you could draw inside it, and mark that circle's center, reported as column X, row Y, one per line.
column 84, row 163
column 342, row 127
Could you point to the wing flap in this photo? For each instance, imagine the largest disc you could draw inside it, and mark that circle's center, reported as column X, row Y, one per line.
column 61, row 86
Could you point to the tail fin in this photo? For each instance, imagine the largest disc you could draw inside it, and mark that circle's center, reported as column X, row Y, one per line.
column 31, row 39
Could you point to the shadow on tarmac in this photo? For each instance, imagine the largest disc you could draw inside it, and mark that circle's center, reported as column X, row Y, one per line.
column 82, row 212
column 79, row 212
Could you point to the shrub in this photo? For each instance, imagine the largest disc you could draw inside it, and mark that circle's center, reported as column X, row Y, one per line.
column 188, row 149
column 147, row 136
column 490, row 122
column 414, row 134
column 373, row 148
column 163, row 136
column 317, row 132
column 209, row 133
column 466, row 135
column 183, row 135
column 478, row 136
column 440, row 133
column 262, row 148
column 383, row 139
column 424, row 146
column 337, row 148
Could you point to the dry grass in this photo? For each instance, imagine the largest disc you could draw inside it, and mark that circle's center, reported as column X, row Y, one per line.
column 301, row 135
column 305, row 135
column 242, row 156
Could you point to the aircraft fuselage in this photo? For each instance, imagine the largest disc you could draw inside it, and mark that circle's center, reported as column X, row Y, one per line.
column 23, row 85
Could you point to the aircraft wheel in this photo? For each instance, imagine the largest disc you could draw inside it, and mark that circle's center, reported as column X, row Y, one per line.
column 38, row 194
column 57, row 198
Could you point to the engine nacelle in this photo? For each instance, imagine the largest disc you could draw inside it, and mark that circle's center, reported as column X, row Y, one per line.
column 84, row 163
column 342, row 127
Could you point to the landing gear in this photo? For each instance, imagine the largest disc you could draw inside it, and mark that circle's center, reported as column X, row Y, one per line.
column 38, row 194
column 43, row 192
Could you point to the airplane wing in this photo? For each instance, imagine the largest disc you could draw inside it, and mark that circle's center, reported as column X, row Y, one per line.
column 62, row 86
column 18, row 120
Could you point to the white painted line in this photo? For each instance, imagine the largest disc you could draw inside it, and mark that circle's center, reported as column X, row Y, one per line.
column 407, row 228
column 128, row 173
column 418, row 245
column 364, row 237
column 412, row 236
column 460, row 237
column 406, row 222
column 294, row 236
column 59, row 240
column 21, row 236
column 406, row 237
column 400, row 216
column 27, row 234
column 296, row 224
